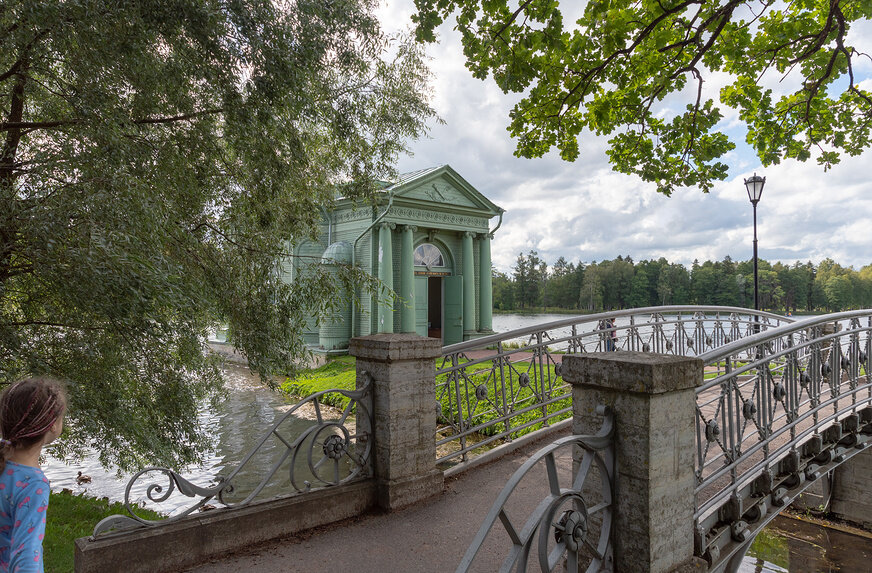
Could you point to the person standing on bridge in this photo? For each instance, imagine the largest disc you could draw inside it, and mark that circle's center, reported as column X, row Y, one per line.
column 613, row 333
column 31, row 416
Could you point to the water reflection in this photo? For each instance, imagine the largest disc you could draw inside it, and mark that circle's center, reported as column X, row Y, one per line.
column 759, row 565
column 801, row 547
column 234, row 427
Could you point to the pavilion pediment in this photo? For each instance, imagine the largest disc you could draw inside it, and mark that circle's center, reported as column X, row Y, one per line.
column 440, row 192
column 444, row 187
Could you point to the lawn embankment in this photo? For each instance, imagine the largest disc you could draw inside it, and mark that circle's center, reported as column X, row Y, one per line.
column 73, row 516
column 337, row 374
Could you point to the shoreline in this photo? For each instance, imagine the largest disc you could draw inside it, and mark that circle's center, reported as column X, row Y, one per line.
column 826, row 522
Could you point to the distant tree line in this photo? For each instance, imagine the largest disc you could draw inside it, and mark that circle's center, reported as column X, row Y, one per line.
column 623, row 283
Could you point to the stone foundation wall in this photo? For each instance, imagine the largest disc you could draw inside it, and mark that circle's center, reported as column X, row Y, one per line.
column 851, row 499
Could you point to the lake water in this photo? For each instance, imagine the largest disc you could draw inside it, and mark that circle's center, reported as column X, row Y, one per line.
column 509, row 322
column 801, row 547
column 234, row 428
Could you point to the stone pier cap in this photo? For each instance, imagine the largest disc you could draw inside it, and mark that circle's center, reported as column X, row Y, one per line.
column 637, row 372
column 395, row 347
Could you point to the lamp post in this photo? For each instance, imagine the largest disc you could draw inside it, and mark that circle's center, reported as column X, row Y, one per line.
column 754, row 186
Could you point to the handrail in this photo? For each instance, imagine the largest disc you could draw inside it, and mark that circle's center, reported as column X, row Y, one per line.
column 784, row 407
column 777, row 332
column 584, row 504
column 583, row 318
column 331, row 451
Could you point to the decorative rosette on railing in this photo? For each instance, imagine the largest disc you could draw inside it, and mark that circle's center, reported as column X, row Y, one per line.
column 333, row 450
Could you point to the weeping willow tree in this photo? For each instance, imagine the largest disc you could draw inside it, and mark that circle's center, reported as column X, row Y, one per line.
column 157, row 158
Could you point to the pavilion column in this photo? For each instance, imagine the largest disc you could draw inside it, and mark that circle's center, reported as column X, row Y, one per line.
column 468, row 283
column 386, row 276
column 407, row 279
column 485, row 322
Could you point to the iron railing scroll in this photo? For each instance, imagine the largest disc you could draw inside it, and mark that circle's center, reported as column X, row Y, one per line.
column 333, row 450
column 572, row 525
column 493, row 389
column 775, row 412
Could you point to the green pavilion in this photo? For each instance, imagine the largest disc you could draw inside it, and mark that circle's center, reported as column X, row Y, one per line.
column 429, row 239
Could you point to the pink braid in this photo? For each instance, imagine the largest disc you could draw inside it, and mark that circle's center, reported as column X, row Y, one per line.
column 42, row 422
column 26, row 412
column 48, row 411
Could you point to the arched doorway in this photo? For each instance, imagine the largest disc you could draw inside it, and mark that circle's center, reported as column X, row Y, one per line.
column 438, row 295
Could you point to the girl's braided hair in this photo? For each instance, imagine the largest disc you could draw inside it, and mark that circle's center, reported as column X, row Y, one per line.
column 28, row 409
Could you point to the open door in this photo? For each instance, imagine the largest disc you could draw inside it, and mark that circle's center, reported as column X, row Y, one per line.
column 421, row 306
column 452, row 323
column 434, row 307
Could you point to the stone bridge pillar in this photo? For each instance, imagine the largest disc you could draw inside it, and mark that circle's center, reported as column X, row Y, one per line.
column 851, row 498
column 404, row 414
column 652, row 396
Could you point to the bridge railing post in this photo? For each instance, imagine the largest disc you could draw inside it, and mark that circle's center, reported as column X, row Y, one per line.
column 402, row 370
column 652, row 396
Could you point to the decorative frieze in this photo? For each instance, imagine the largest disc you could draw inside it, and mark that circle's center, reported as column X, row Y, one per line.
column 441, row 192
column 420, row 215
column 438, row 217
column 351, row 215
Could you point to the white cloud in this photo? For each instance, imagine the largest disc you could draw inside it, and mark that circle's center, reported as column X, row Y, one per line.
column 584, row 211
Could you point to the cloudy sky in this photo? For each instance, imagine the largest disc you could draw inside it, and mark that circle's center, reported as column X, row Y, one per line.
column 586, row 212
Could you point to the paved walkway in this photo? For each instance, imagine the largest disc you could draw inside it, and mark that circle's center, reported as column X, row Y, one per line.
column 429, row 537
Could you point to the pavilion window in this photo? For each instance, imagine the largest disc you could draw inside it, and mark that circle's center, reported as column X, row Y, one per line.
column 428, row 255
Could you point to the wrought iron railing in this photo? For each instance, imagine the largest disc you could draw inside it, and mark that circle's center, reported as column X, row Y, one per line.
column 570, row 529
column 333, row 450
column 494, row 389
column 775, row 411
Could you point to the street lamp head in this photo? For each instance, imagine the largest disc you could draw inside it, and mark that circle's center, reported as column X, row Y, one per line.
column 754, row 185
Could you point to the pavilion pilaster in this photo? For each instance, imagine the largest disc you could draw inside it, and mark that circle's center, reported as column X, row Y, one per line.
column 386, row 276
column 468, row 283
column 485, row 322
column 407, row 279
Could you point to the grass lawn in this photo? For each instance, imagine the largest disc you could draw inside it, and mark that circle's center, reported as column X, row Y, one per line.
column 338, row 373
column 483, row 411
column 73, row 516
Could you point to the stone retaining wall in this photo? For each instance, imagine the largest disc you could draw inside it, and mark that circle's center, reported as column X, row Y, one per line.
column 203, row 536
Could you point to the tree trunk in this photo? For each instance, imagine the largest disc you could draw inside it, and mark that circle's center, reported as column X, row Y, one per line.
column 7, row 173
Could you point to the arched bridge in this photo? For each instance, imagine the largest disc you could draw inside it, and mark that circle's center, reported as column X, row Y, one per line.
column 778, row 404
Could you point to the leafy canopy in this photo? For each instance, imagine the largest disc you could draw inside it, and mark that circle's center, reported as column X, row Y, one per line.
column 157, row 158
column 635, row 70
